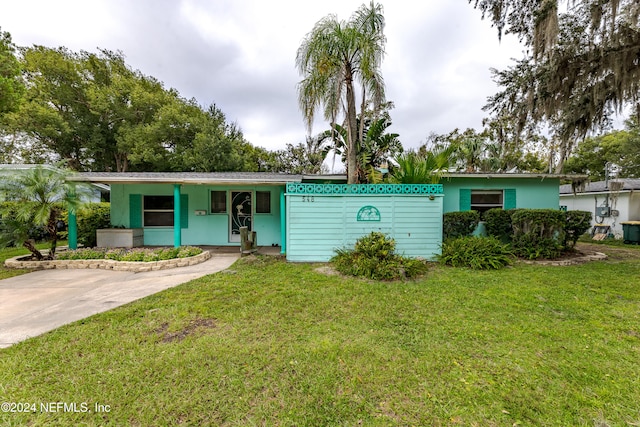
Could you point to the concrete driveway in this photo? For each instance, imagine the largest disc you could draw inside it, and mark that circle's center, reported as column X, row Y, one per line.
column 38, row 302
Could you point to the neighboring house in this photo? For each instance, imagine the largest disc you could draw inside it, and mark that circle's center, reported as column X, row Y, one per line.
column 308, row 216
column 611, row 202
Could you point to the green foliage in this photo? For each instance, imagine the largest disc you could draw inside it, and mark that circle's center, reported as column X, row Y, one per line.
column 11, row 86
column 619, row 147
column 498, row 223
column 332, row 58
column 43, row 194
column 576, row 224
column 538, row 233
column 374, row 257
column 136, row 255
column 90, row 218
column 459, row 224
column 480, row 253
column 421, row 167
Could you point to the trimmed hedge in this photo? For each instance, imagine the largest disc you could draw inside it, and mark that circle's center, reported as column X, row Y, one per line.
column 459, row 224
column 90, row 218
column 498, row 223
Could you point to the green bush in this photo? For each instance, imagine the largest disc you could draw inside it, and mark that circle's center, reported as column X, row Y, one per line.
column 538, row 233
column 459, row 224
column 90, row 218
column 498, row 224
column 374, row 257
column 480, row 253
column 576, row 224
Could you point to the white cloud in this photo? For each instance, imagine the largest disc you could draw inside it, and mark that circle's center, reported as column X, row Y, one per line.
column 241, row 55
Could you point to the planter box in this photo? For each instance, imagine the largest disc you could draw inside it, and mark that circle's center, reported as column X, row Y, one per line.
column 120, row 237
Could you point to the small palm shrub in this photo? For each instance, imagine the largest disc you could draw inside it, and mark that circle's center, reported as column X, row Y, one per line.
column 480, row 253
column 374, row 257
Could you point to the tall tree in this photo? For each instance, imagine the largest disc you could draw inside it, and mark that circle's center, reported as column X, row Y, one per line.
column 332, row 58
column 11, row 85
column 582, row 62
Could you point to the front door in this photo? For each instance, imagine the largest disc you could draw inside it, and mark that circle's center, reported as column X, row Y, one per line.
column 241, row 213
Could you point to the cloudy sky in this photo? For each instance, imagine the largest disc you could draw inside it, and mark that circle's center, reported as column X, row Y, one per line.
column 240, row 55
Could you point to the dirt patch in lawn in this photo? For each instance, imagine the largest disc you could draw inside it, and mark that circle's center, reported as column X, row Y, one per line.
column 614, row 253
column 194, row 326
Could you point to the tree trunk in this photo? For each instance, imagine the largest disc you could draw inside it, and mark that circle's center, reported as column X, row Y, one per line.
column 352, row 132
column 30, row 244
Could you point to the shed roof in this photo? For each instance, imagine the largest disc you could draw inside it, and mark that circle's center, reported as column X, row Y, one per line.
column 601, row 186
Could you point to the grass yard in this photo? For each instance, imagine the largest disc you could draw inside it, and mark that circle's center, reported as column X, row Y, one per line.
column 272, row 343
column 6, row 253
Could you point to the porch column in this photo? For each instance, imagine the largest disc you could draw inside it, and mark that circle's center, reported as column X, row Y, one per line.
column 72, row 222
column 177, row 231
column 283, row 223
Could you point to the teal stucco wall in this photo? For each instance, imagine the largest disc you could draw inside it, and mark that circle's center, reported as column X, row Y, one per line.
column 529, row 193
column 320, row 222
column 209, row 229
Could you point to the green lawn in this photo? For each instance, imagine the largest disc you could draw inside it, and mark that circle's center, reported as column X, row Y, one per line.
column 272, row 343
column 6, row 253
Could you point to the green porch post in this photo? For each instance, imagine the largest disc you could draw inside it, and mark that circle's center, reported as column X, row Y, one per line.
column 283, row 224
column 177, row 231
column 73, row 227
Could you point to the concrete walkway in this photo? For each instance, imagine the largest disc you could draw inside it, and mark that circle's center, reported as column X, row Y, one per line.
column 41, row 301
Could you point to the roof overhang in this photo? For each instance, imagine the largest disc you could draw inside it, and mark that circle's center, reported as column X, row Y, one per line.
column 514, row 175
column 191, row 178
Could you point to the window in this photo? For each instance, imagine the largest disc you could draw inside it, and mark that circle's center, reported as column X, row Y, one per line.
column 483, row 200
column 157, row 211
column 263, row 201
column 218, row 202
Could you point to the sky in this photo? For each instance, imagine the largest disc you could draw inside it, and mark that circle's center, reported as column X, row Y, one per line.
column 240, row 55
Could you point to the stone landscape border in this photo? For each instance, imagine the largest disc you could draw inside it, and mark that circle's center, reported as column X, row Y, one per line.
column 595, row 256
column 107, row 264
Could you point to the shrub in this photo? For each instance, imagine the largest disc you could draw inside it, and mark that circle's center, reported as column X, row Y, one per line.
column 576, row 224
column 538, row 233
column 374, row 257
column 459, row 224
column 481, row 253
column 498, row 223
column 91, row 218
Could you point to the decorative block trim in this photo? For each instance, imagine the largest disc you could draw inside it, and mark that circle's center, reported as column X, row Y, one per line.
column 354, row 189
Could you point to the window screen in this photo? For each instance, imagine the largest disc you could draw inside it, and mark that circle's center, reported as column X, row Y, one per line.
column 218, row 202
column 263, row 202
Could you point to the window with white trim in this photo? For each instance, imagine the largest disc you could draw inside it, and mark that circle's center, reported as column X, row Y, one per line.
column 157, row 211
column 483, row 200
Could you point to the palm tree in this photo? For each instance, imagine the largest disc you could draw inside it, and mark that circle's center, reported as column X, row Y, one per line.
column 331, row 58
column 422, row 167
column 42, row 194
column 375, row 147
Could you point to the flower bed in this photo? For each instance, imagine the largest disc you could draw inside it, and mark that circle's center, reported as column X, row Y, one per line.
column 134, row 260
column 135, row 255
